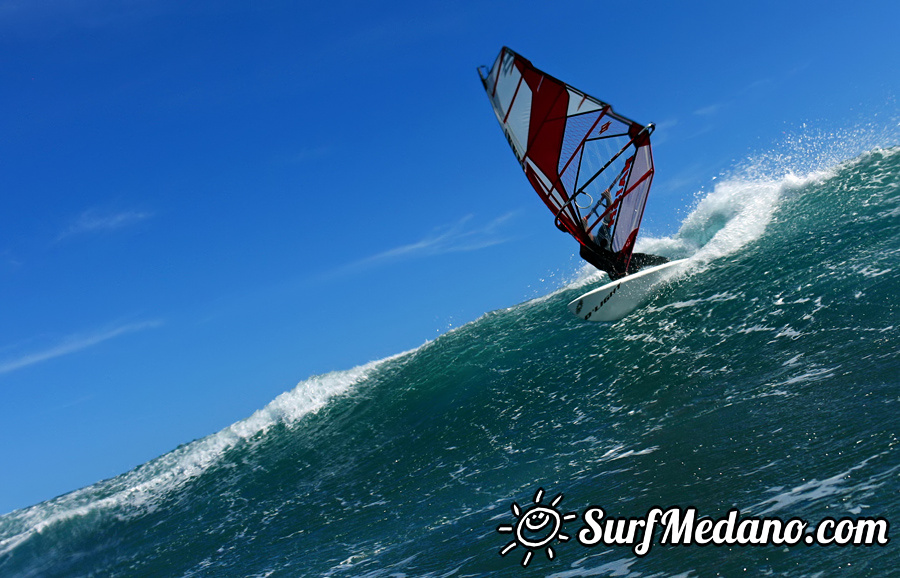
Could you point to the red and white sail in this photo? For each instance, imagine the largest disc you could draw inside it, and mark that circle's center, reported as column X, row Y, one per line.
column 573, row 148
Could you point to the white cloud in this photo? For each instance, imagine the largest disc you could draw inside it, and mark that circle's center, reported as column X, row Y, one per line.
column 74, row 343
column 93, row 220
column 25, row 18
column 452, row 238
column 710, row 110
column 456, row 237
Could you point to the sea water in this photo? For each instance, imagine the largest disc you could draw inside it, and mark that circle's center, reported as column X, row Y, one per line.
column 765, row 379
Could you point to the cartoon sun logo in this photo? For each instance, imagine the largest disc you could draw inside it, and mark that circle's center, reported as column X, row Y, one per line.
column 537, row 527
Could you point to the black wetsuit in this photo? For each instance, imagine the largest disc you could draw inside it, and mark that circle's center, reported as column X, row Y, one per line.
column 614, row 266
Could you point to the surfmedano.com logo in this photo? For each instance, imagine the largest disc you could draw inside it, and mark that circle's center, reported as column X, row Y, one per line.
column 539, row 527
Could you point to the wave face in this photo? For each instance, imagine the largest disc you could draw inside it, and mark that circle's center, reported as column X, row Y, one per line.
column 766, row 378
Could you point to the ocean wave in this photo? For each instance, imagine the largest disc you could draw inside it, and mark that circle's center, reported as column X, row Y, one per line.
column 138, row 491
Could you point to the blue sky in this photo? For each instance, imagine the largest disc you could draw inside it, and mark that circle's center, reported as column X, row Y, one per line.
column 202, row 205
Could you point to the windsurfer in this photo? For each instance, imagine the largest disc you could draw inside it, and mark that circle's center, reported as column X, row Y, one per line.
column 604, row 231
column 598, row 252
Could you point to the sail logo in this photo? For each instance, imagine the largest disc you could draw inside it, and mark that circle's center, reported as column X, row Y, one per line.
column 620, row 193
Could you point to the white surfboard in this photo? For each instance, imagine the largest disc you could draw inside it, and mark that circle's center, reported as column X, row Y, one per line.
column 617, row 299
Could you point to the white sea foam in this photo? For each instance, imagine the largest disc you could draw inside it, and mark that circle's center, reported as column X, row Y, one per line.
column 141, row 489
column 580, row 568
column 735, row 214
column 841, row 484
column 716, row 298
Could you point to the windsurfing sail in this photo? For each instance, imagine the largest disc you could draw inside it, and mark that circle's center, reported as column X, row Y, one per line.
column 591, row 166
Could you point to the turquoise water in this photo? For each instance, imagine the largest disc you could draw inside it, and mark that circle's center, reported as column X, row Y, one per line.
column 766, row 378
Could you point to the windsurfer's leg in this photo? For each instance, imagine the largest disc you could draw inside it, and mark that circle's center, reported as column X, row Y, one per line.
column 643, row 260
column 602, row 262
